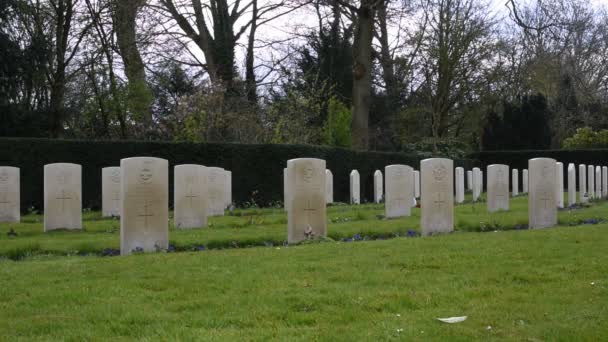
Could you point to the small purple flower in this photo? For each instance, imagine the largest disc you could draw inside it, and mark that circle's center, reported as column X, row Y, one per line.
column 412, row 233
column 199, row 248
column 357, row 237
column 171, row 249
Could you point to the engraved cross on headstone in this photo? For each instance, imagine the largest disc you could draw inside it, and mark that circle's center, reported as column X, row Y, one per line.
column 4, row 202
column 308, row 210
column 115, row 199
column 438, row 201
column 400, row 200
column 191, row 196
column 546, row 199
column 146, row 214
column 63, row 197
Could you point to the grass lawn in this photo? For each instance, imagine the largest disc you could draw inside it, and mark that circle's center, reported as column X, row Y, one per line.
column 534, row 285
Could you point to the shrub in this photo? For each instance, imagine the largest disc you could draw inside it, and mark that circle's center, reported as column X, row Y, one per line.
column 587, row 138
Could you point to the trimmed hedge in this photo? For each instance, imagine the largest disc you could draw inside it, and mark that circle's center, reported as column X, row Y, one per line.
column 519, row 159
column 257, row 170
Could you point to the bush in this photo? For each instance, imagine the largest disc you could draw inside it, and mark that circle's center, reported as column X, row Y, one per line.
column 587, row 138
column 256, row 168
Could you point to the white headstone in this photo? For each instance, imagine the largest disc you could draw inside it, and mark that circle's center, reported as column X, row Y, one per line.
column 459, row 185
column 598, row 182
column 542, row 211
column 477, row 181
column 582, row 183
column 559, row 184
column 515, row 182
column 216, row 177
column 355, row 187
column 416, row 184
column 498, row 187
column 590, row 181
column 470, row 180
column 571, row 185
column 307, row 211
column 399, row 190
column 329, row 187
column 62, row 196
column 228, row 187
column 378, row 186
column 144, row 217
column 10, row 198
column 190, row 196
column 110, row 191
column 604, row 181
column 437, row 196
column 524, row 181
column 285, row 190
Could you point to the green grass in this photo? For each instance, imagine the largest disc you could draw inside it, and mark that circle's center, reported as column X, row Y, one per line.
column 526, row 285
column 262, row 227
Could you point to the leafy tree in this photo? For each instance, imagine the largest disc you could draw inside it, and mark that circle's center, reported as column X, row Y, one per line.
column 336, row 130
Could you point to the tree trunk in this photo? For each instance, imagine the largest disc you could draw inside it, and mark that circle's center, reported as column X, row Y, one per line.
column 124, row 15
column 362, row 80
column 250, row 81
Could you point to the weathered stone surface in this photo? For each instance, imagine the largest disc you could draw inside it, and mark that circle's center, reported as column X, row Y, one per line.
column 399, row 190
column 598, row 182
column 62, row 196
column 459, row 185
column 477, row 183
column 378, row 186
column 10, row 195
column 559, row 184
column 228, row 187
column 590, row 181
column 190, row 194
column 216, row 177
column 307, row 211
column 582, row 183
column 437, row 175
column 110, row 191
column 542, row 211
column 571, row 184
column 498, row 187
column 524, row 181
column 515, row 182
column 470, row 180
column 417, row 184
column 144, row 219
column 355, row 187
column 604, row 181
column 329, row 187
column 285, row 189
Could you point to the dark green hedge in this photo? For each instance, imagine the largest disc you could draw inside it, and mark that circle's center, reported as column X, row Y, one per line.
column 255, row 168
column 519, row 159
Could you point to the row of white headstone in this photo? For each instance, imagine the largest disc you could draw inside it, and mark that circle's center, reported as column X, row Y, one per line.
column 307, row 183
column 143, row 195
column 199, row 192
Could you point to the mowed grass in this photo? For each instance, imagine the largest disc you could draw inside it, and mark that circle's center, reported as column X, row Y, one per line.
column 265, row 227
column 535, row 285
